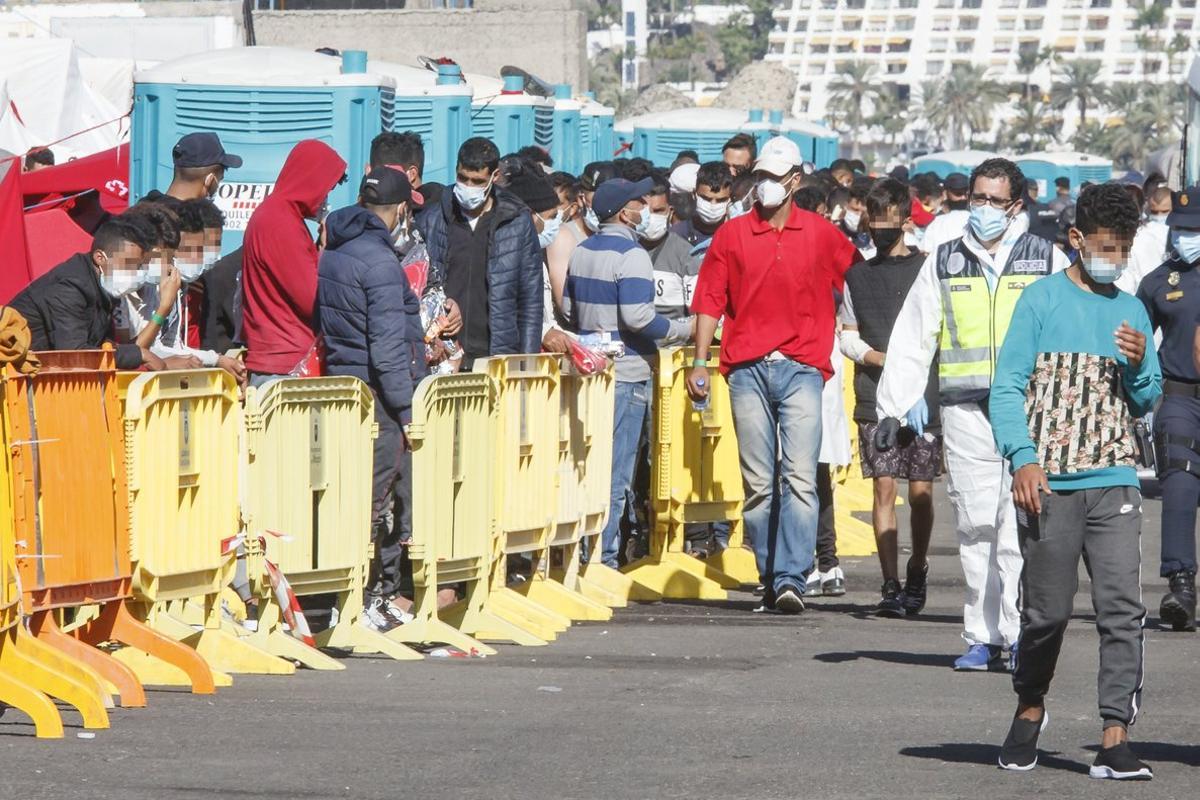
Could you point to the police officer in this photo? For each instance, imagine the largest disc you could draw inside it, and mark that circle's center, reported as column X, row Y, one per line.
column 1171, row 294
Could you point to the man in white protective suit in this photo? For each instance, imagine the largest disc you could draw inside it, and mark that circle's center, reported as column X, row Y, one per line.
column 958, row 311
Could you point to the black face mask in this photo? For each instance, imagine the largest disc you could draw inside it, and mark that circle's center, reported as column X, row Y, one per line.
column 885, row 238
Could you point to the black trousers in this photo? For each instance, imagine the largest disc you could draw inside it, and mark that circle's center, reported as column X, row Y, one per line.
column 392, row 473
column 1178, row 419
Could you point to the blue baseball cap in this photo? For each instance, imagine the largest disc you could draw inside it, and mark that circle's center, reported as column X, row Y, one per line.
column 612, row 195
column 1185, row 208
column 203, row 149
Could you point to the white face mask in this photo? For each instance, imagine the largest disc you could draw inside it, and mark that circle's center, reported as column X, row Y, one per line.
column 771, row 193
column 655, row 227
column 852, row 219
column 550, row 229
column 471, row 197
column 212, row 255
column 120, row 282
column 1161, row 218
column 189, row 270
column 591, row 220
column 711, row 213
column 152, row 272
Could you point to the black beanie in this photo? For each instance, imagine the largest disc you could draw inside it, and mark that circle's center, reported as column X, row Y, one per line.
column 534, row 190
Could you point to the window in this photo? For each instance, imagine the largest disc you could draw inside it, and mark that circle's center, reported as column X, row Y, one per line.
column 968, row 23
column 1010, row 3
column 1006, row 25
column 895, row 69
column 819, row 49
column 1033, row 23
column 852, row 24
column 937, row 45
column 941, row 24
column 856, row 4
column 1101, row 3
column 906, row 4
column 1070, row 23
column 1035, row 3
column 1097, row 23
column 945, row 3
column 903, row 25
column 964, row 46
column 1093, row 46
column 775, row 49
column 801, row 25
column 972, row 4
column 933, row 67
column 1123, row 68
column 873, row 49
column 1002, row 46
column 845, row 48
column 899, row 47
column 1183, row 24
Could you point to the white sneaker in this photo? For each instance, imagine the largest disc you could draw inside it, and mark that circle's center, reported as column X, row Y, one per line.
column 833, row 583
column 813, row 589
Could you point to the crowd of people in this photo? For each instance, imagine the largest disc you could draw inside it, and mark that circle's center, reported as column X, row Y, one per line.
column 994, row 338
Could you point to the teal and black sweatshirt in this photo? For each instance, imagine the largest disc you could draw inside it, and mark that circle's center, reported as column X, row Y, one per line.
column 1063, row 396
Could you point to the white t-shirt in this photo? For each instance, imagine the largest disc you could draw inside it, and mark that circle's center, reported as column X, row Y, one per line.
column 944, row 228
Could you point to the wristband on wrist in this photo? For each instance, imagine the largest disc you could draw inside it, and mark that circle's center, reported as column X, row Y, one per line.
column 158, row 319
column 700, row 362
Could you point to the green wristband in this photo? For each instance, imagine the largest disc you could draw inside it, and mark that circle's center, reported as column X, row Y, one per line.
column 700, row 362
column 158, row 319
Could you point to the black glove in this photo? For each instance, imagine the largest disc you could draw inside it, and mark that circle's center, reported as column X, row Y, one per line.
column 886, row 433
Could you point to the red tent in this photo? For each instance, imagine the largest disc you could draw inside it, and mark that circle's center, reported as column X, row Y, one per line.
column 107, row 172
column 14, row 256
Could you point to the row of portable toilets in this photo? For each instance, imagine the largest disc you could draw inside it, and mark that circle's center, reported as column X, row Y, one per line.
column 1042, row 169
column 129, row 501
column 262, row 100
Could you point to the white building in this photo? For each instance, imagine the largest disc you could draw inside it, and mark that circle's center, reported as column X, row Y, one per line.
column 912, row 41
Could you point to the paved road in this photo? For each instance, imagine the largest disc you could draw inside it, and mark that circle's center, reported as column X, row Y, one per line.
column 683, row 700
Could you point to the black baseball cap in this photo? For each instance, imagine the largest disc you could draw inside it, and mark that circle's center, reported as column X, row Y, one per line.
column 1185, row 208
column 614, row 194
column 597, row 173
column 385, row 186
column 203, row 149
column 956, row 182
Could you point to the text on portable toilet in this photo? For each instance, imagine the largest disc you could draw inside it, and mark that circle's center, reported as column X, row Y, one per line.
column 239, row 199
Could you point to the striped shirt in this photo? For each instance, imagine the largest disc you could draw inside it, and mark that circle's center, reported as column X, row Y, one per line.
column 610, row 288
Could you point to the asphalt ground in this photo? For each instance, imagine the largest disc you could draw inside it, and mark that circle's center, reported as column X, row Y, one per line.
column 688, row 700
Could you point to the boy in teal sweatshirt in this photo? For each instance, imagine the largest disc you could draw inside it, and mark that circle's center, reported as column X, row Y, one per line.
column 1073, row 374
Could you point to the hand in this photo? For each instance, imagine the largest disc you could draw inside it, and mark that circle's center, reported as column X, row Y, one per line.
column 1131, row 343
column 886, row 434
column 918, row 417
column 555, row 341
column 151, row 361
column 234, row 367
column 182, row 362
column 437, row 353
column 875, row 358
column 168, row 289
column 698, row 384
column 453, row 323
column 1029, row 484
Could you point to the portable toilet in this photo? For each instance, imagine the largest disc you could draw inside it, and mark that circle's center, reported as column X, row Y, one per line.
column 659, row 137
column 435, row 106
column 1043, row 168
column 597, row 141
column 564, row 144
column 261, row 101
column 622, row 139
column 818, row 144
column 510, row 117
column 942, row 164
column 758, row 126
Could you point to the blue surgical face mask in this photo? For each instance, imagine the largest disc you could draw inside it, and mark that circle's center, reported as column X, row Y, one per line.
column 550, row 229
column 1158, row 217
column 591, row 220
column 643, row 223
column 988, row 223
column 471, row 197
column 1101, row 269
column 1187, row 245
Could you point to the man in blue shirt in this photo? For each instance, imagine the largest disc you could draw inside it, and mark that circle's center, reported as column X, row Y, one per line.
column 1073, row 374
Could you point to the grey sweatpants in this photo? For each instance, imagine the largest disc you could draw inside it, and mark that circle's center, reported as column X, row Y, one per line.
column 1104, row 526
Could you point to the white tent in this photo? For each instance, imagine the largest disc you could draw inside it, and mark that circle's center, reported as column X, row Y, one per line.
column 50, row 100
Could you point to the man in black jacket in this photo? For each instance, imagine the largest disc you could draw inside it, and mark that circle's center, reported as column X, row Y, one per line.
column 71, row 306
column 372, row 326
column 483, row 248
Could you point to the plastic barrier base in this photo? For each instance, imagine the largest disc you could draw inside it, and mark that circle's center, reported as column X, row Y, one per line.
column 157, row 660
column 434, row 631
column 55, row 674
column 680, row 577
column 739, row 563
column 506, row 602
column 113, row 672
column 617, row 582
column 353, row 635
column 21, row 689
column 483, row 621
column 222, row 650
column 556, row 597
column 273, row 639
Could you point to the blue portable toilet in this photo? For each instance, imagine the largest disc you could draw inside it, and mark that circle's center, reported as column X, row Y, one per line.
column 261, row 101
column 435, row 105
column 659, row 137
column 622, row 139
column 568, row 119
column 758, row 126
column 818, row 144
column 597, row 141
column 942, row 164
column 1043, row 168
column 503, row 112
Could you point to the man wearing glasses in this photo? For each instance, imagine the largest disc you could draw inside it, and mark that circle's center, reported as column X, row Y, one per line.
column 958, row 311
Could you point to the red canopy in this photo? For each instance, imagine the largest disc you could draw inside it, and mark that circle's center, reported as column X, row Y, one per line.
column 107, row 172
column 14, row 257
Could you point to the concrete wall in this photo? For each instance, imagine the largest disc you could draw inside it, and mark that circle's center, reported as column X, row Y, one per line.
column 545, row 37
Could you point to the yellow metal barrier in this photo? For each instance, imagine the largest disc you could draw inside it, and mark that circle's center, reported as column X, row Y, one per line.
column 181, row 458
column 453, row 436
column 852, row 493
column 308, row 445
column 695, row 478
column 24, row 679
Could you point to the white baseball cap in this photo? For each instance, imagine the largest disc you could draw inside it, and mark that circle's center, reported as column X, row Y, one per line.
column 683, row 178
column 779, row 156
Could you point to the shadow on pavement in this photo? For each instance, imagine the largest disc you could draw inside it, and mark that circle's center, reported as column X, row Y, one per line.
column 1188, row 755
column 889, row 656
column 985, row 755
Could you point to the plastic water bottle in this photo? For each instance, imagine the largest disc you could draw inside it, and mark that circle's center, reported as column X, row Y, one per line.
column 701, row 405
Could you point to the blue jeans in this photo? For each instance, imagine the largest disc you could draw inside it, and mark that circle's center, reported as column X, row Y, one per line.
column 629, row 416
column 777, row 415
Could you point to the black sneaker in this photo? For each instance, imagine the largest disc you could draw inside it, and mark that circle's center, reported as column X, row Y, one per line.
column 913, row 596
column 1179, row 606
column 788, row 600
column 376, row 617
column 1120, row 764
column 890, row 606
column 1019, row 751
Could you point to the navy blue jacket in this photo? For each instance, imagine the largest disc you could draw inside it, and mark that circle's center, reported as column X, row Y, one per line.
column 514, row 273
column 369, row 315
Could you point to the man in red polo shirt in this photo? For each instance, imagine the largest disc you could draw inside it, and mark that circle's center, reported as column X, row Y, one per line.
column 774, row 274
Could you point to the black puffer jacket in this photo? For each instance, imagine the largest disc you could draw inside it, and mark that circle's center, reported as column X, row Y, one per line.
column 514, row 274
column 369, row 315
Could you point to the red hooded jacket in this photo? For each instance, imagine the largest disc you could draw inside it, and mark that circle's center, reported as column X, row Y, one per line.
column 279, row 262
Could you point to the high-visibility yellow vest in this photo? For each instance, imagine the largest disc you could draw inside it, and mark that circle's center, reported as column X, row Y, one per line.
column 975, row 316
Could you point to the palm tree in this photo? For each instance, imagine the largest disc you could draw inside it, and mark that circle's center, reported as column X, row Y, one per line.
column 931, row 101
column 1033, row 125
column 890, row 114
column 1028, row 62
column 856, row 86
column 964, row 103
column 1120, row 98
column 1078, row 82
